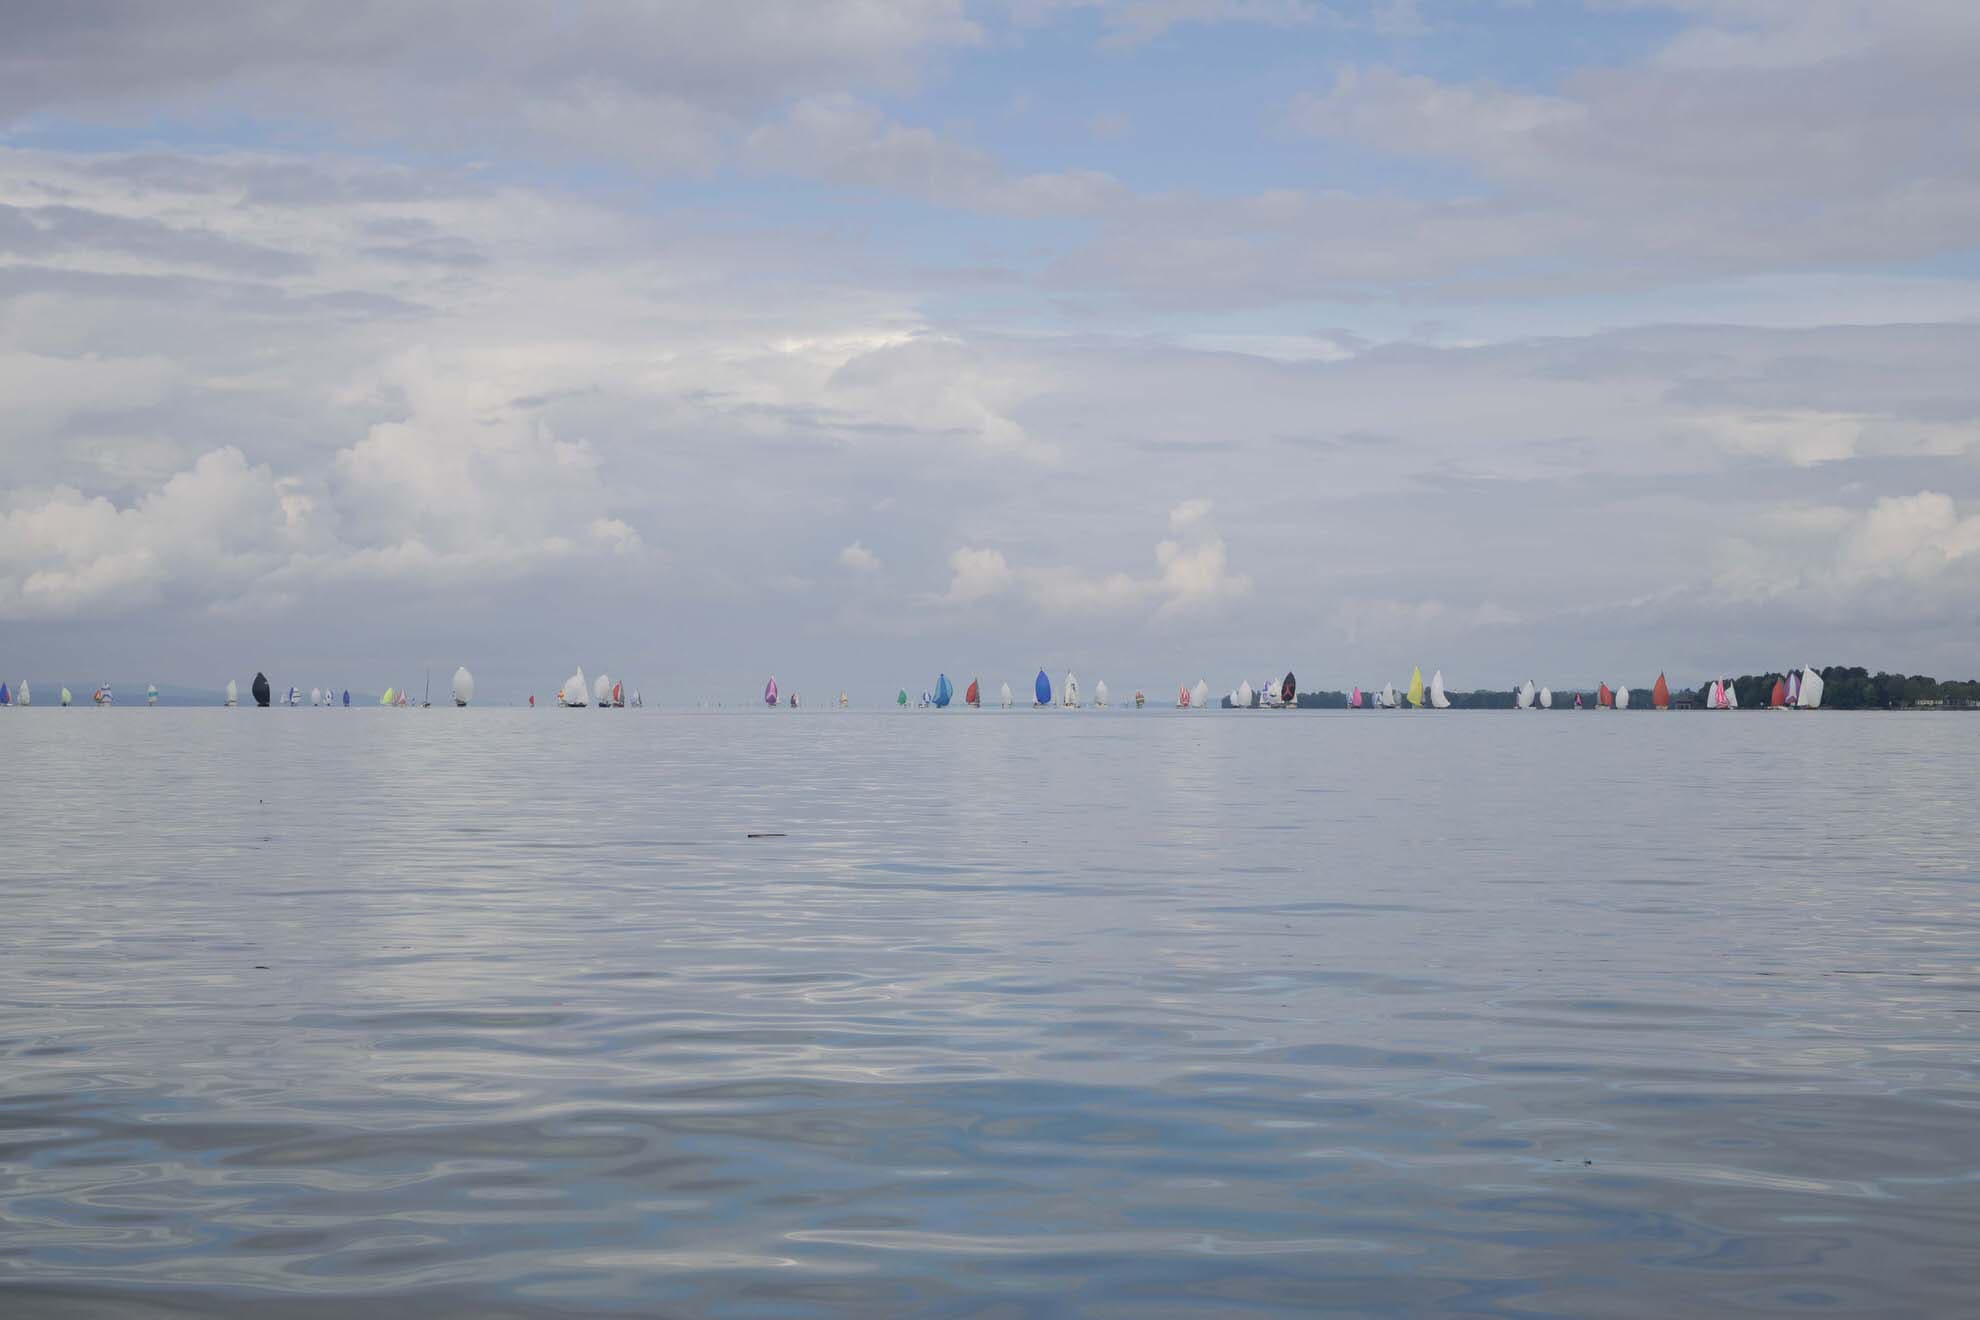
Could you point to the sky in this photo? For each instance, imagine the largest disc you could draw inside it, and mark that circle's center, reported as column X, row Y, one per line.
column 852, row 342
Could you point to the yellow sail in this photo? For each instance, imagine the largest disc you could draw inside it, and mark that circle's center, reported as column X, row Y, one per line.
column 1416, row 687
column 388, row 698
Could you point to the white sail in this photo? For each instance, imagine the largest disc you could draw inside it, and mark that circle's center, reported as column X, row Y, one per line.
column 67, row 696
column 316, row 696
column 463, row 686
column 21, row 697
column 1525, row 698
column 574, row 693
column 1199, row 696
column 601, row 691
column 1622, row 698
column 1100, row 693
column 1732, row 697
column 1438, row 701
column 1070, row 692
column 1386, row 698
column 1242, row 698
column 1546, row 698
column 233, row 693
column 1005, row 696
column 1811, row 691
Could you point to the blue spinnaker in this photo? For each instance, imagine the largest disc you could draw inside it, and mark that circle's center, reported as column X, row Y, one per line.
column 1043, row 689
column 943, row 691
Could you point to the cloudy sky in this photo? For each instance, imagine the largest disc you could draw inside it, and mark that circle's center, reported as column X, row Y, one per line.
column 693, row 340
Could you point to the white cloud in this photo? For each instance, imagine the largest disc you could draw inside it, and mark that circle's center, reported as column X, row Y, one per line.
column 1188, row 514
column 220, row 524
column 859, row 559
column 976, row 574
column 1193, row 576
column 1904, row 559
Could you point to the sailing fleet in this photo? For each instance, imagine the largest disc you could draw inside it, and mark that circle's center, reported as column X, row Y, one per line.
column 1796, row 689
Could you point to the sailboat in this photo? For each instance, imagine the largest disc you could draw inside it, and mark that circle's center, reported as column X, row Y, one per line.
column 1199, row 696
column 574, row 693
column 233, row 693
column 151, row 694
column 1715, row 697
column 1732, row 694
column 1777, row 699
column 316, row 696
column 1140, row 698
column 943, row 692
column 1041, row 690
column 1546, row 698
column 260, row 689
column 463, row 686
column 1415, row 693
column 6, row 697
column 794, row 701
column 391, row 696
column 619, row 694
column 1069, row 695
column 1810, row 697
column 1100, row 694
column 1660, row 694
column 347, row 698
column 1577, row 701
column 1524, row 699
column 291, row 697
column 1244, row 696
column 22, row 697
column 770, row 692
column 68, row 699
column 1438, row 701
column 1622, row 698
column 639, row 701
column 601, row 692
column 102, row 695
column 1794, row 687
column 1289, row 692
column 1603, row 697
column 1387, row 699
column 973, row 694
column 1354, row 698
column 1182, row 696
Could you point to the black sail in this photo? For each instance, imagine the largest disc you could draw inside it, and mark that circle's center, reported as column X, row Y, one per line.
column 1287, row 692
column 260, row 689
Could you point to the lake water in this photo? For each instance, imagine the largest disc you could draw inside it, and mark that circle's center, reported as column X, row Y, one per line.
column 497, row 1012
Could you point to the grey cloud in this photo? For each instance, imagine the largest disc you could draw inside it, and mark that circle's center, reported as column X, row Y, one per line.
column 44, row 231
column 654, row 82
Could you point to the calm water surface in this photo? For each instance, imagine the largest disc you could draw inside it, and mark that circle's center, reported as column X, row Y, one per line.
column 505, row 1013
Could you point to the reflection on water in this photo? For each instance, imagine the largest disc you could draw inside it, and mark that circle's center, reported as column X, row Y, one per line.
column 504, row 1013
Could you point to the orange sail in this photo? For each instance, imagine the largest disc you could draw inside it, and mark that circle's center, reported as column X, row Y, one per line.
column 1604, row 697
column 971, row 695
column 1660, row 695
column 1779, row 698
